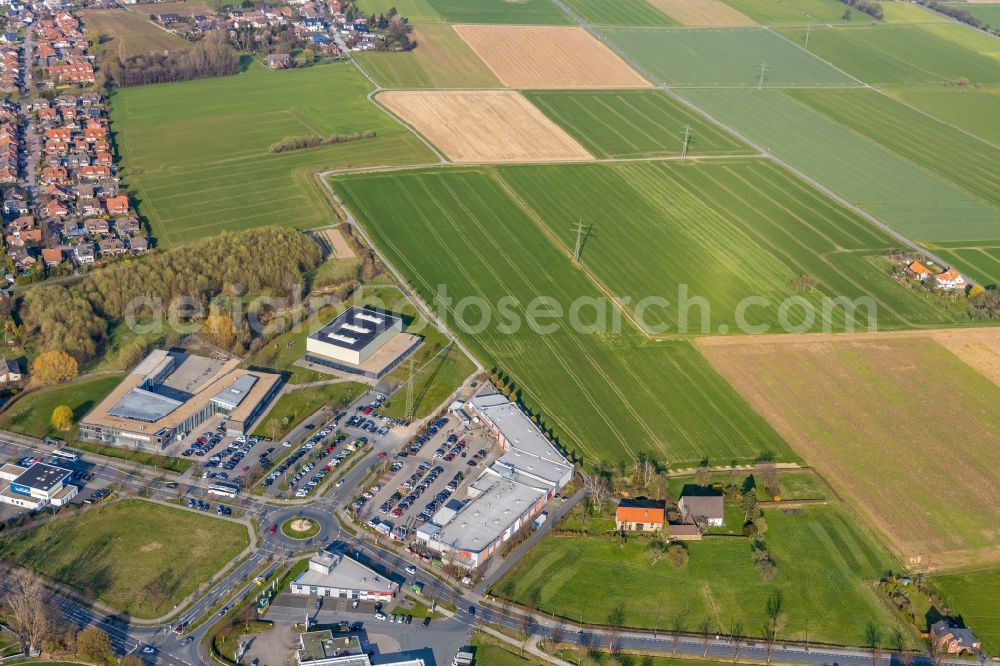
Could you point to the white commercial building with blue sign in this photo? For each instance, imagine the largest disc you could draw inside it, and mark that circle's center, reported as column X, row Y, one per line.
column 37, row 486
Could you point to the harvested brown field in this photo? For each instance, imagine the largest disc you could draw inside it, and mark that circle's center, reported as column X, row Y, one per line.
column 703, row 13
column 484, row 125
column 902, row 428
column 130, row 31
column 549, row 57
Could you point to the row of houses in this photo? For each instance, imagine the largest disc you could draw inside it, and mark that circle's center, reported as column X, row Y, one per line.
column 10, row 68
column 61, row 52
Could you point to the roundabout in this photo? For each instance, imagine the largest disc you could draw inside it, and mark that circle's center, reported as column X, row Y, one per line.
column 300, row 528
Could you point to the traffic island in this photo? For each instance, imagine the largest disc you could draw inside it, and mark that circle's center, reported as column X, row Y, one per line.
column 300, row 528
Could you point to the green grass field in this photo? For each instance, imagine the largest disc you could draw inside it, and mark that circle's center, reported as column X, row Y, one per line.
column 901, row 194
column 794, row 12
column 823, row 563
column 196, row 154
column 987, row 13
column 31, row 414
column 972, row 110
column 633, row 123
column 130, row 31
column 622, row 12
column 725, row 231
column 606, row 396
column 967, row 162
column 441, row 59
column 418, row 11
column 296, row 404
column 540, row 12
column 973, row 597
column 730, row 57
column 889, row 55
column 135, row 556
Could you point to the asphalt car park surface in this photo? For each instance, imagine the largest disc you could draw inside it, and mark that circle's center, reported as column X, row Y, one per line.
column 432, row 472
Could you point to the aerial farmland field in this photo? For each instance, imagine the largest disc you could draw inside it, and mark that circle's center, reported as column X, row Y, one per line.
column 793, row 12
column 893, row 55
column 633, row 123
column 522, row 12
column 549, row 57
column 967, row 162
column 901, row 194
column 823, row 560
column 974, row 110
column 623, row 12
column 854, row 407
column 725, row 231
column 723, row 57
column 189, row 150
column 440, row 59
column 417, row 11
column 606, row 393
column 987, row 13
column 484, row 125
column 703, row 13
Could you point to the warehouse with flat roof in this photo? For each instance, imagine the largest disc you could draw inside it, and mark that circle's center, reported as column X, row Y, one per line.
column 36, row 486
column 361, row 341
column 170, row 393
column 507, row 494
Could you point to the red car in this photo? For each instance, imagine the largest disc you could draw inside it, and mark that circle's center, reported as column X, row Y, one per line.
column 273, row 529
column 366, row 411
column 381, row 455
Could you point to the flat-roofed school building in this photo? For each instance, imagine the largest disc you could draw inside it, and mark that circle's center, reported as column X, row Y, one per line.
column 361, row 341
column 170, row 393
column 36, row 486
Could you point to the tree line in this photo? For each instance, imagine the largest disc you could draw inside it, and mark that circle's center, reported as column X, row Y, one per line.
column 959, row 13
column 210, row 57
column 870, row 7
column 266, row 261
column 290, row 143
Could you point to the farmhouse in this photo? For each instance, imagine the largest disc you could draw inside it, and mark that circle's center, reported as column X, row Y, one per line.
column 10, row 372
column 919, row 270
column 639, row 514
column 508, row 494
column 361, row 341
column 950, row 279
column 335, row 575
column 702, row 510
column 170, row 393
column 36, row 486
column 946, row 638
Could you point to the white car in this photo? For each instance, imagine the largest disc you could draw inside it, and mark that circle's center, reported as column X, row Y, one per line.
column 340, row 483
column 411, row 569
column 148, row 649
column 286, row 444
column 380, row 616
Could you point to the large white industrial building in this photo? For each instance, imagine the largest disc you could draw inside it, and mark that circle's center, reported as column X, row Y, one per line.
column 508, row 494
column 361, row 341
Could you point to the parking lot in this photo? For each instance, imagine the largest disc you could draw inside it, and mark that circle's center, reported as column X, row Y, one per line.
column 424, row 475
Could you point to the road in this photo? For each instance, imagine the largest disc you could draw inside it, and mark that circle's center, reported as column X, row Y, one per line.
column 31, row 144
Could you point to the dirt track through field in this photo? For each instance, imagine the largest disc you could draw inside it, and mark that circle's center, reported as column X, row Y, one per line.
column 549, row 57
column 484, row 125
column 901, row 424
column 705, row 13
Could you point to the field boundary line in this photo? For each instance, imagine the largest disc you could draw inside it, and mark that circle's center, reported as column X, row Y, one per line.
column 761, row 149
column 818, row 57
column 377, row 88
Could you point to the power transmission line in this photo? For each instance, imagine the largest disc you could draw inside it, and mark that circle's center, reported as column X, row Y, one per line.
column 687, row 141
column 581, row 236
column 806, row 44
column 761, row 75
